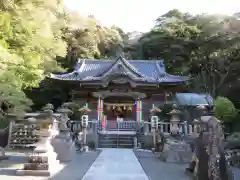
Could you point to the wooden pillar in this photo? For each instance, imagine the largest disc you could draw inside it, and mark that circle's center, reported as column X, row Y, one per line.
column 138, row 110
column 100, row 109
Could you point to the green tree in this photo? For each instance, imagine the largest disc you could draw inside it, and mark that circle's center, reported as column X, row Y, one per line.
column 204, row 46
column 30, row 40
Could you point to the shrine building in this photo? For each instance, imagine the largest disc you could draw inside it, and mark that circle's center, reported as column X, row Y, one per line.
column 121, row 89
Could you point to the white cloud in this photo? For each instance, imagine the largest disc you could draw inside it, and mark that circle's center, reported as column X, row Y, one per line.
column 140, row 14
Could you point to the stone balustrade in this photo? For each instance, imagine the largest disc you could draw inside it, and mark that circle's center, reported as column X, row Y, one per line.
column 144, row 127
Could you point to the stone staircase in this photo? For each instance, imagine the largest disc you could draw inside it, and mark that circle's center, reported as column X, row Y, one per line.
column 115, row 141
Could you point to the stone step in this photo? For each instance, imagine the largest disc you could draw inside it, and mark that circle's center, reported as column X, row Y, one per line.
column 115, row 141
column 115, row 137
column 36, row 166
column 33, row 172
column 116, row 146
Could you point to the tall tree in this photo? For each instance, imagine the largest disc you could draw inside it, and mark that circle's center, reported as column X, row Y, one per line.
column 204, row 46
column 30, row 40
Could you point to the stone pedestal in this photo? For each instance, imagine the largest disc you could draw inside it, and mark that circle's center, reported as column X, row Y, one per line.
column 43, row 161
column 176, row 152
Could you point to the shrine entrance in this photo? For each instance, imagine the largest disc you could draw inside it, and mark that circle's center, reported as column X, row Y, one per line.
column 119, row 109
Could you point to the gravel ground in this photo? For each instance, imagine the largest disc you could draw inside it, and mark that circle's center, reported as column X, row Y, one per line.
column 75, row 170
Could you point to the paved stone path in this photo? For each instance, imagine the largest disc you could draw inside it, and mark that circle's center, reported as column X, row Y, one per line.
column 75, row 170
column 112, row 164
column 158, row 170
column 116, row 164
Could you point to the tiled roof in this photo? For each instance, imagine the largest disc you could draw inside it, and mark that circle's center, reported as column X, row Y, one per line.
column 152, row 71
column 193, row 99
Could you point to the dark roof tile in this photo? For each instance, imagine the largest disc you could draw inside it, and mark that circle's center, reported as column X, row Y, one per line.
column 149, row 70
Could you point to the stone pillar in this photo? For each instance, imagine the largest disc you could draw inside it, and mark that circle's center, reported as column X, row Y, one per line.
column 154, row 127
column 85, row 125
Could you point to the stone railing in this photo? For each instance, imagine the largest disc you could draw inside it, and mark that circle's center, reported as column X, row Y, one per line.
column 143, row 127
column 121, row 125
column 184, row 128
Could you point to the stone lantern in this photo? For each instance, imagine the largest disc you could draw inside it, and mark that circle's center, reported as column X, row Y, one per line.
column 174, row 120
column 201, row 109
column 43, row 161
column 48, row 111
column 48, row 108
column 65, row 112
column 63, row 144
column 153, row 113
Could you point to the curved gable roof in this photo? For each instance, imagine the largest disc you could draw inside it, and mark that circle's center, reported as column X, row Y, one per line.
column 152, row 71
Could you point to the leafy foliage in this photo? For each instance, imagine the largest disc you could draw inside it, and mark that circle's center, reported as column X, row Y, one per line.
column 224, row 109
column 13, row 100
column 204, row 46
column 41, row 36
column 30, row 39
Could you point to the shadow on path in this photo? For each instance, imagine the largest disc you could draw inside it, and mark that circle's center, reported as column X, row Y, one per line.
column 74, row 170
column 156, row 169
column 78, row 167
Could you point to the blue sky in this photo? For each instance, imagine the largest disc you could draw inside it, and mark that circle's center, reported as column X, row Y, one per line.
column 139, row 15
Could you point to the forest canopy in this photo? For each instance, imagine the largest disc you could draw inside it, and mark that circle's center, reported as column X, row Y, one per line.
column 41, row 36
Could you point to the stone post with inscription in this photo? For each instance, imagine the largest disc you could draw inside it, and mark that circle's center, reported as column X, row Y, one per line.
column 84, row 121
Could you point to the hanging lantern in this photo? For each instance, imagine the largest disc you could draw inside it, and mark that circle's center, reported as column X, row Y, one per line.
column 108, row 108
column 129, row 108
column 119, row 108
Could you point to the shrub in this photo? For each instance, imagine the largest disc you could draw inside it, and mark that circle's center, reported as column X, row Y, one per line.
column 4, row 123
column 224, row 109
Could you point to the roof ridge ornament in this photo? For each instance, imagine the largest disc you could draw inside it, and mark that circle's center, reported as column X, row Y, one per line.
column 161, row 68
column 82, row 66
